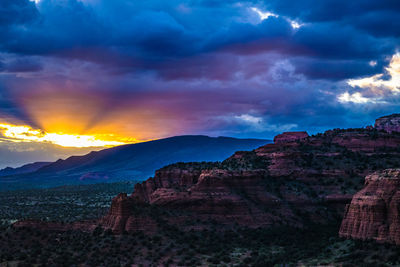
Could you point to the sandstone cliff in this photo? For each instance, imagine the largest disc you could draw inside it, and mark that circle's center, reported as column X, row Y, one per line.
column 289, row 183
column 124, row 216
column 374, row 211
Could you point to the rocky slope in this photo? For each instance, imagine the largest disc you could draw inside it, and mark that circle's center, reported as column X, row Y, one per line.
column 374, row 211
column 296, row 180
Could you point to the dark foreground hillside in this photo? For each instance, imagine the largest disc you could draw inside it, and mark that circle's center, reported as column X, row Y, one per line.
column 316, row 245
column 276, row 246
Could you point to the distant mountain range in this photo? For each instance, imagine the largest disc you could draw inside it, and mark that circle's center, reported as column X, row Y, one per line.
column 27, row 168
column 128, row 162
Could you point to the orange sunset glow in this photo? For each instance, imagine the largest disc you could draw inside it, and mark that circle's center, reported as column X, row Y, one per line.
column 71, row 110
column 24, row 133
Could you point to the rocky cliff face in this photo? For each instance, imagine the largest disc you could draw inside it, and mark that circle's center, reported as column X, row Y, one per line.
column 389, row 123
column 124, row 215
column 289, row 183
column 374, row 212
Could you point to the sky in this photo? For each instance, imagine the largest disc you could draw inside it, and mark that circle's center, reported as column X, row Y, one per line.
column 78, row 75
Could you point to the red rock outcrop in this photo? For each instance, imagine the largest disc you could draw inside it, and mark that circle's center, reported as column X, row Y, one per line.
column 167, row 179
column 281, row 183
column 389, row 123
column 374, row 212
column 122, row 216
column 223, row 196
column 289, row 137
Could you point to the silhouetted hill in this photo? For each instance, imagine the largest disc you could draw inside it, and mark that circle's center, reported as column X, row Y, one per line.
column 130, row 162
column 27, row 168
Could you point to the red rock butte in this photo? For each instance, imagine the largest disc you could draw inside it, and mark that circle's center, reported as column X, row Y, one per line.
column 374, row 212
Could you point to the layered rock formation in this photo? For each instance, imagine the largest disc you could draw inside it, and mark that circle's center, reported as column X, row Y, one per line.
column 374, row 212
column 296, row 180
column 389, row 123
column 124, row 216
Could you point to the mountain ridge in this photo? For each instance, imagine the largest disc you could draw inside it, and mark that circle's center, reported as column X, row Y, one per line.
column 133, row 161
column 26, row 168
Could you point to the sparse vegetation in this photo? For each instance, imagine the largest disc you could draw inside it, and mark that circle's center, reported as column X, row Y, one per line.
column 63, row 204
column 317, row 245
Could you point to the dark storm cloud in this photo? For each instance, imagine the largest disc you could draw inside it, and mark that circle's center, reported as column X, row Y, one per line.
column 268, row 31
column 379, row 23
column 135, row 36
column 207, row 62
column 14, row 12
column 335, row 69
column 329, row 10
column 329, row 40
column 60, row 26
